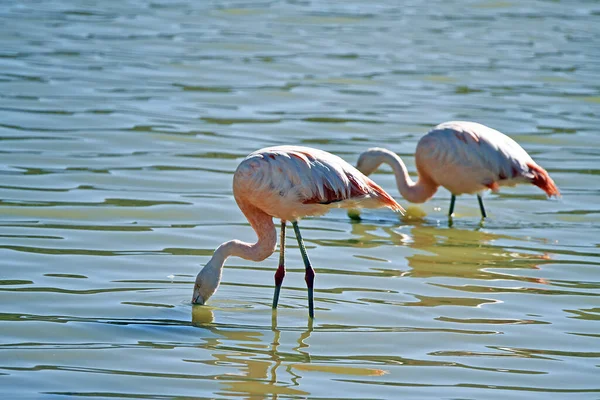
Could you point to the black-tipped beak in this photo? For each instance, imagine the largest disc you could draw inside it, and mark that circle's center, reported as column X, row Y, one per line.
column 197, row 300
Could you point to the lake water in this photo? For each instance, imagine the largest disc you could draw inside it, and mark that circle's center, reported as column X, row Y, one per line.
column 121, row 123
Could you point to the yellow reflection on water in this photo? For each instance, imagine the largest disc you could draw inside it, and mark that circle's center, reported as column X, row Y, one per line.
column 452, row 252
column 339, row 370
column 257, row 362
column 469, row 254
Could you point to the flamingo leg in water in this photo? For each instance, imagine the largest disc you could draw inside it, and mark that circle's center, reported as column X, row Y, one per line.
column 280, row 274
column 309, row 276
column 452, row 201
column 483, row 214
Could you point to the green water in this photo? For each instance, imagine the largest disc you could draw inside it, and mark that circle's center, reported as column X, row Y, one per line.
column 121, row 124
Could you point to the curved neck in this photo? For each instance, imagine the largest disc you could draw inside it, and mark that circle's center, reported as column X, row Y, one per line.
column 418, row 192
column 262, row 224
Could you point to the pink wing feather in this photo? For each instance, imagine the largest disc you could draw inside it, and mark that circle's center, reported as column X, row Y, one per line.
column 467, row 157
column 295, row 181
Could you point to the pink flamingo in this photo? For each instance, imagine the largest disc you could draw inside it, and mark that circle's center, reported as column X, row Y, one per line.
column 463, row 157
column 288, row 182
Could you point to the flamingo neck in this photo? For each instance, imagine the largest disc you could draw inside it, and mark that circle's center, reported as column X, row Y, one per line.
column 262, row 223
column 414, row 192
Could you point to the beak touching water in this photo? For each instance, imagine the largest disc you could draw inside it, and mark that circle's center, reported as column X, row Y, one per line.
column 196, row 297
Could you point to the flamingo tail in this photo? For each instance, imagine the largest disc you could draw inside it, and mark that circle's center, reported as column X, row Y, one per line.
column 385, row 198
column 542, row 180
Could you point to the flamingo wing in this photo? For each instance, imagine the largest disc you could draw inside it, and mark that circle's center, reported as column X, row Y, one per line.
column 289, row 180
column 467, row 157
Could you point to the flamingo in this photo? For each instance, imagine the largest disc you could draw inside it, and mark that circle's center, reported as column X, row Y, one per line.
column 288, row 182
column 463, row 157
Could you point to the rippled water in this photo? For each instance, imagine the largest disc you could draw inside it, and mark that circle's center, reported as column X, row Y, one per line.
column 121, row 124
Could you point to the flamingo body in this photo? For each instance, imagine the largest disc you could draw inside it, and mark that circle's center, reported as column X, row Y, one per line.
column 288, row 182
column 467, row 157
column 463, row 157
column 291, row 182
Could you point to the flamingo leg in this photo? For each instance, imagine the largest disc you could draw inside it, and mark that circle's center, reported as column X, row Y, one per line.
column 309, row 276
column 280, row 274
column 483, row 214
column 452, row 201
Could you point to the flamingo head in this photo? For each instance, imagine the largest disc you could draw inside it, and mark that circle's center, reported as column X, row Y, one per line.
column 206, row 284
column 197, row 297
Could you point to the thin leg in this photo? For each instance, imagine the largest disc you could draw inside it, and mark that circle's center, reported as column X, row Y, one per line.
column 309, row 276
column 452, row 201
column 280, row 274
column 483, row 214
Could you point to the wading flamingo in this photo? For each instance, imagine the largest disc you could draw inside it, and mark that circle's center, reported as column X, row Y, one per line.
column 463, row 157
column 288, row 182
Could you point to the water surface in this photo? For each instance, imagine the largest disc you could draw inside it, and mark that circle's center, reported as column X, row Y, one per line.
column 121, row 124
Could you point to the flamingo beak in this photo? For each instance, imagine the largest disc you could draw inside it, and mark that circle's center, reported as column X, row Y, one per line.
column 197, row 298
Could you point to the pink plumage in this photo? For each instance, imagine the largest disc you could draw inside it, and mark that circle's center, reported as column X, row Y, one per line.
column 291, row 182
column 288, row 182
column 542, row 179
column 467, row 157
column 463, row 157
